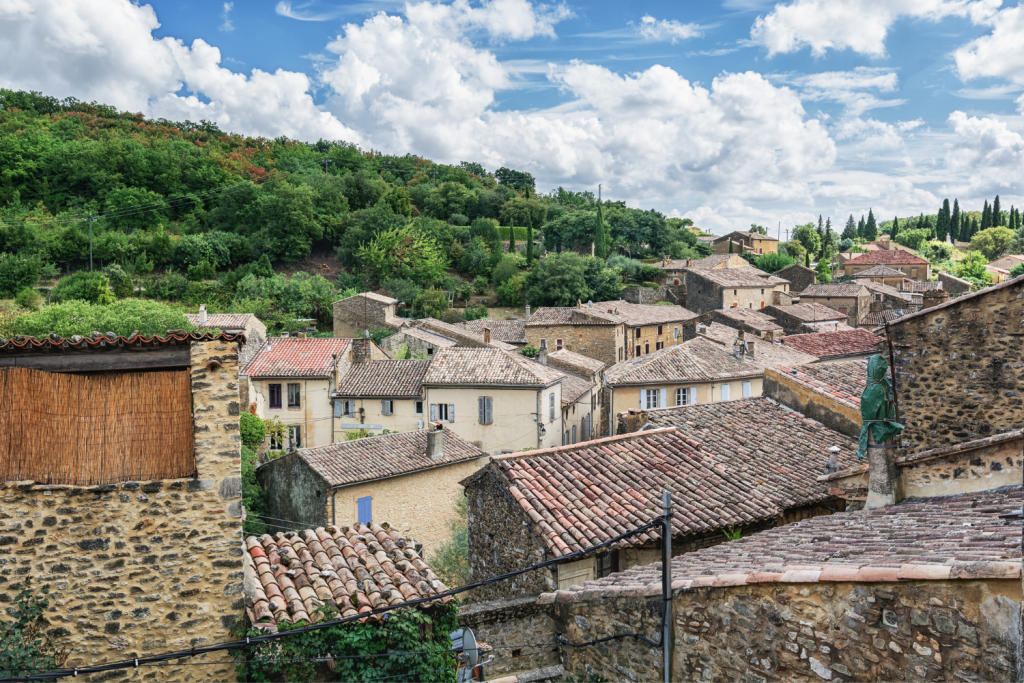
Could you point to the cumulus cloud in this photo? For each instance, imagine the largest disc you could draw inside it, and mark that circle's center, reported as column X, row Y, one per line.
column 987, row 151
column 1000, row 54
column 858, row 25
column 849, row 88
column 228, row 25
column 666, row 29
column 105, row 50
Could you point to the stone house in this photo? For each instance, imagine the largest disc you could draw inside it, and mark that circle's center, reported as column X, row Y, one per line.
column 380, row 394
column 896, row 600
column 233, row 323
column 347, row 567
column 1008, row 262
column 852, row 298
column 756, row 323
column 843, row 345
column 573, row 363
column 701, row 370
column 883, row 275
column 800, row 277
column 136, row 528
column 747, row 287
column 497, row 400
column 509, row 331
column 746, row 241
column 887, row 297
column 359, row 314
column 911, row 265
column 292, row 379
column 954, row 285
column 873, row 321
column 421, row 343
column 807, row 317
column 527, row 507
column 828, row 392
column 584, row 381
column 608, row 331
column 410, row 476
column 996, row 275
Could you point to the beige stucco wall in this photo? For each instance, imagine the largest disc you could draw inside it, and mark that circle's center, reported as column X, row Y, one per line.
column 628, row 396
column 751, row 298
column 313, row 415
column 513, row 427
column 649, row 338
column 587, row 404
column 420, row 504
column 404, row 419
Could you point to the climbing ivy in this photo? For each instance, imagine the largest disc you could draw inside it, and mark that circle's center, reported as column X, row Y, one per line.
column 316, row 655
column 25, row 646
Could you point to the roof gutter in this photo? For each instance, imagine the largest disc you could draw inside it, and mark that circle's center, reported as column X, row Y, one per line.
column 684, row 381
column 402, row 474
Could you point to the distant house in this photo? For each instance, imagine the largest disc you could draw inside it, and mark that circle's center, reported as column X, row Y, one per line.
column 882, row 275
column 529, row 506
column 359, row 314
column 233, row 323
column 743, row 287
column 996, row 275
column 381, row 394
column 409, row 476
column 509, row 331
column 800, row 277
column 806, row 317
column 746, row 241
column 832, row 346
column 1008, row 262
column 911, row 265
column 850, row 298
column 827, row 392
column 758, row 323
column 418, row 341
column 954, row 285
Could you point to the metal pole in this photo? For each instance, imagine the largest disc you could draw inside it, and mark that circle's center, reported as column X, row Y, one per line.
column 666, row 584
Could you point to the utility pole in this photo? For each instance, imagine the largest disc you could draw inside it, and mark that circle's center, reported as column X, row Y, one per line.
column 90, row 242
column 599, row 192
column 326, row 161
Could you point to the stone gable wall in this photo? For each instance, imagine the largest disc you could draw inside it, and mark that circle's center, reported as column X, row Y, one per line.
column 515, row 621
column 354, row 315
column 961, row 370
column 140, row 568
column 593, row 341
column 922, row 631
column 645, row 295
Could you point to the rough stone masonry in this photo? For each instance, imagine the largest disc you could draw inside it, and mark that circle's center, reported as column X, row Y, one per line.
column 141, row 568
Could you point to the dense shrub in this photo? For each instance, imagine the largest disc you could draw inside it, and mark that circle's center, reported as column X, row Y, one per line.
column 431, row 303
column 28, row 298
column 93, row 287
column 120, row 282
column 201, row 271
column 254, row 498
column 510, row 292
column 170, row 286
column 17, row 273
column 121, row 318
column 251, row 430
column 27, row 643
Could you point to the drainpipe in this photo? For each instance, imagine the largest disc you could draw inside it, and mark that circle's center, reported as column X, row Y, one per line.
column 538, row 417
column 333, row 494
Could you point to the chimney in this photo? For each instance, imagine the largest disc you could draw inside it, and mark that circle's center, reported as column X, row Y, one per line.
column 664, row 261
column 202, row 314
column 542, row 357
column 435, row 440
column 487, row 335
column 284, row 335
column 689, row 262
column 833, row 464
column 527, row 311
column 750, row 349
column 301, row 335
column 885, row 479
column 360, row 352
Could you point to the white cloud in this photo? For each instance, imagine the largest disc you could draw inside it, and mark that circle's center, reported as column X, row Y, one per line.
column 987, row 151
column 666, row 29
column 285, row 9
column 858, row 25
column 226, row 16
column 104, row 50
column 999, row 54
column 847, row 87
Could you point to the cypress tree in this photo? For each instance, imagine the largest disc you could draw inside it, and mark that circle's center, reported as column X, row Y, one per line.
column 871, row 228
column 975, row 229
column 821, row 231
column 730, row 245
column 997, row 213
column 850, row 231
column 529, row 244
column 511, row 240
column 954, row 222
column 807, row 259
column 942, row 222
column 860, row 228
column 895, row 230
column 601, row 239
column 986, row 217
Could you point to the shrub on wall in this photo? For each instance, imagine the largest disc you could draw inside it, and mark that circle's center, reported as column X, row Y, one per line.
column 27, row 647
column 251, row 429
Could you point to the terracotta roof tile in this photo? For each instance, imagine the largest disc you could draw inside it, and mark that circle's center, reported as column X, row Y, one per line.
column 717, row 464
column 740, row 277
column 570, row 316
column 236, row 321
column 755, row 319
column 295, row 357
column 923, row 539
column 886, row 257
column 697, row 360
column 109, row 341
column 835, row 289
column 843, row 381
column 930, row 285
column 809, row 312
column 385, row 378
column 574, row 387
column 767, row 354
column 386, row 455
column 460, row 366
column 508, row 331
column 354, row 569
column 429, row 337
column 573, row 362
column 833, row 344
column 879, row 271
column 882, row 317
column 460, row 335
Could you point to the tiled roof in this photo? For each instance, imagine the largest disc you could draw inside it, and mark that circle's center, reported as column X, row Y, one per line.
column 109, row 341
column 648, row 314
column 811, row 312
column 295, row 357
column 879, row 271
column 383, row 456
column 429, row 337
column 575, row 362
column 832, row 344
column 384, row 378
column 881, row 288
column 234, row 321
column 741, row 277
column 1015, row 282
column 460, row 366
column 885, row 257
column 709, row 262
column 570, row 316
column 460, row 334
column 843, row 381
column 751, row 318
column 611, row 312
column 707, row 238
column 509, row 331
column 354, row 569
column 767, row 354
column 924, row 539
column 382, row 298
column 882, row 317
column 927, row 286
column 834, row 289
column 576, row 496
column 574, row 387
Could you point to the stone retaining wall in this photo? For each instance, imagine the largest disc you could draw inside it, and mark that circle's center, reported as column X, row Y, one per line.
column 507, row 624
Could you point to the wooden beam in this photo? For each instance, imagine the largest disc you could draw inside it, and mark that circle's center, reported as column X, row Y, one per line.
column 99, row 361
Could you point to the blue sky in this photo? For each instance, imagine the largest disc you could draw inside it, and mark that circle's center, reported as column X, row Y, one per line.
column 728, row 113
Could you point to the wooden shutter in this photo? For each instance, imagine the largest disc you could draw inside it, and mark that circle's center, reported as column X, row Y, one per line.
column 433, row 412
column 488, row 405
column 451, row 412
column 364, row 509
column 663, row 398
column 480, row 408
column 337, row 408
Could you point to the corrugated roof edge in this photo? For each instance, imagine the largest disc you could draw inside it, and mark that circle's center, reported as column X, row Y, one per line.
column 110, row 340
column 1019, row 280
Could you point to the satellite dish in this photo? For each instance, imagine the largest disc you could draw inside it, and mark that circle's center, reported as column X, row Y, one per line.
column 464, row 643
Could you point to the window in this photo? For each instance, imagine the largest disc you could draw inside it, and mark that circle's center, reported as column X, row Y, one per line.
column 295, row 436
column 364, row 510
column 387, row 407
column 650, row 398
column 607, row 564
column 750, row 305
column 675, row 333
column 659, row 329
column 637, row 334
column 275, row 443
column 419, row 407
column 762, row 292
column 574, row 434
column 445, row 412
column 293, row 395
column 913, row 272
column 637, row 351
column 485, row 405
column 734, row 292
column 659, row 345
column 558, row 345
column 683, row 397
column 647, row 347
column 349, row 408
column 746, row 390
column 551, row 406
column 275, row 396
column 565, row 438
column 843, row 310
column 725, row 392
column 620, row 353
column 430, row 350
column 543, row 343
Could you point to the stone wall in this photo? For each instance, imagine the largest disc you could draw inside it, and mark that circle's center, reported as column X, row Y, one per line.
column 842, row 418
column 800, row 277
column 500, row 541
column 519, row 621
column 921, row 631
column 601, row 342
column 702, row 294
column 954, row 285
column 294, row 492
column 139, row 568
column 354, row 315
column 645, row 295
column 961, row 368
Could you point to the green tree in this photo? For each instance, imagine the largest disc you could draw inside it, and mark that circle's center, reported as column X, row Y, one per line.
column 476, row 259
column 954, row 221
column 997, row 213
column 121, row 318
column 602, row 240
column 510, row 292
column 507, row 268
column 860, row 227
column 871, row 228
column 973, row 267
column 824, row 271
column 913, row 238
column 447, row 199
column 431, row 303
column 1017, row 270
column 772, row 263
column 894, row 231
column 809, row 238
column 986, row 217
column 93, row 287
column 362, row 227
column 17, row 272
column 993, row 242
column 807, row 259
column 404, row 253
column 558, row 280
column 943, row 221
column 850, row 231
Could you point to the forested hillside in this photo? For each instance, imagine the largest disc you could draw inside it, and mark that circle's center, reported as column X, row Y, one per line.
column 180, row 211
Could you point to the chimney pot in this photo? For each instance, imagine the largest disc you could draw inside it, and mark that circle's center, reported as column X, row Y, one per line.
column 487, row 335
column 301, row 335
column 202, row 314
column 542, row 357
column 527, row 311
column 435, row 440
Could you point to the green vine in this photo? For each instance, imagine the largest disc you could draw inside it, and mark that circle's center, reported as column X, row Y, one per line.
column 25, row 646
column 316, row 655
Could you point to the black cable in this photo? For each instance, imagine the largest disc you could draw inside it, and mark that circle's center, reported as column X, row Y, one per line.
column 563, row 641
column 249, row 640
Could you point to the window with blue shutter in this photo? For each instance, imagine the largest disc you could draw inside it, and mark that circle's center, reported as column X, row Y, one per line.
column 364, row 509
column 484, row 405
